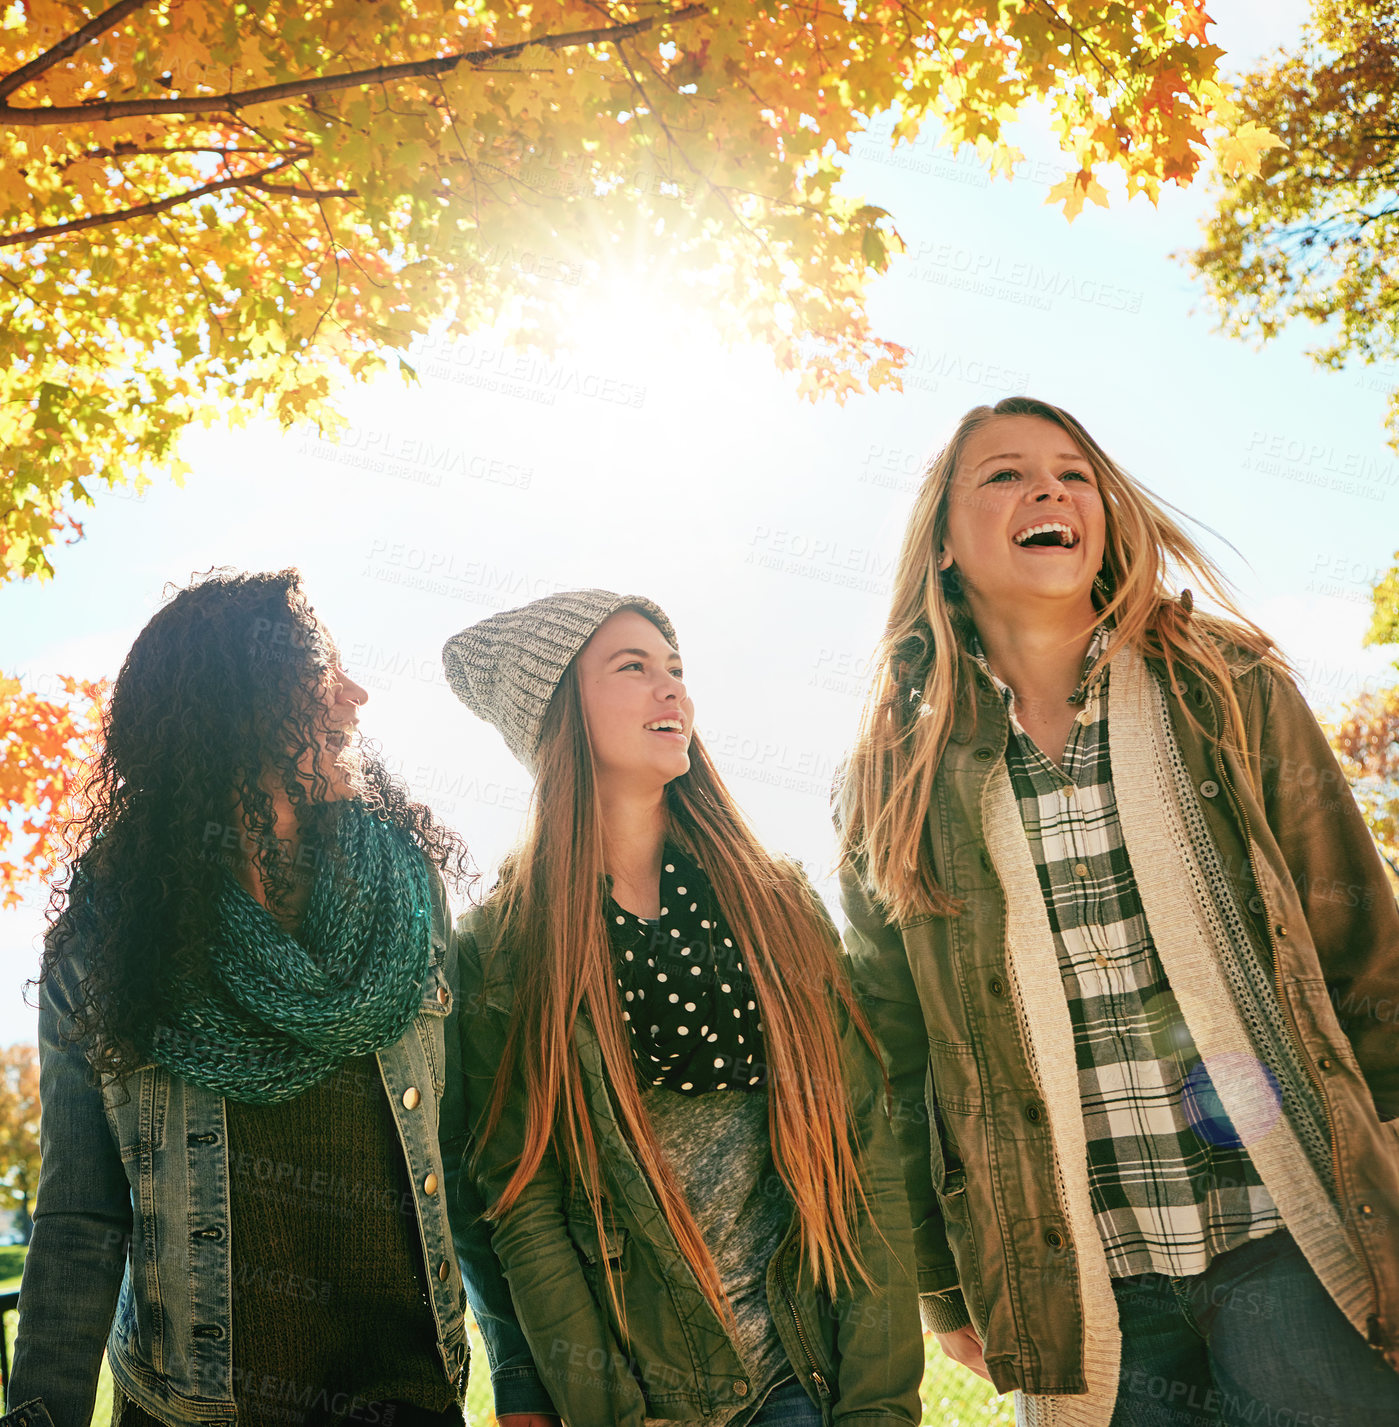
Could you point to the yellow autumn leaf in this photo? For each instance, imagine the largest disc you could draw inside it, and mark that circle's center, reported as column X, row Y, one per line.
column 1074, row 191
column 1242, row 151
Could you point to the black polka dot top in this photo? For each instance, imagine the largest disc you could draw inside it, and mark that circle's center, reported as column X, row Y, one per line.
column 687, row 999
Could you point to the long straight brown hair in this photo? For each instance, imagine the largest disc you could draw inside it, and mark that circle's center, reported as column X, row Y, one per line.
column 553, row 927
column 922, row 670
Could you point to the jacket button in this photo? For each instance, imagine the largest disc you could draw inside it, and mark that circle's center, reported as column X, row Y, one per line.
column 1054, row 1238
column 215, row 1234
column 740, row 1388
column 1209, row 788
column 1280, row 929
column 996, row 986
column 444, row 1270
column 984, row 755
column 443, row 995
column 411, row 1098
column 430, row 1184
column 1325, row 1063
column 1255, row 905
column 1366, row 1209
column 1033, row 1113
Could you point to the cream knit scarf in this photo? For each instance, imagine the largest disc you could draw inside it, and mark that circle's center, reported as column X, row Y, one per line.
column 1174, row 889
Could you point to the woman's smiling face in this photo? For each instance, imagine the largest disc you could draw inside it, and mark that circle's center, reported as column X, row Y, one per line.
column 1025, row 517
column 640, row 719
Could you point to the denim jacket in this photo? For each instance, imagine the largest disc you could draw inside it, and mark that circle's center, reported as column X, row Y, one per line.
column 130, row 1248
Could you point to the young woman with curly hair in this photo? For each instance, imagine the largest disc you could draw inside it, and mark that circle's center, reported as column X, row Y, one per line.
column 683, row 1146
column 252, row 1127
column 1127, row 942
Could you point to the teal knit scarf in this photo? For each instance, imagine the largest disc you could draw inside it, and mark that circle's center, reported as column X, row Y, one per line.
column 279, row 1012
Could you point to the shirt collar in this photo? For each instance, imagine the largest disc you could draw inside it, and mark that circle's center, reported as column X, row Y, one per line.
column 1088, row 680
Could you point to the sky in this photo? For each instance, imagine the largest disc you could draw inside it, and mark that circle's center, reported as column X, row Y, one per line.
column 650, row 459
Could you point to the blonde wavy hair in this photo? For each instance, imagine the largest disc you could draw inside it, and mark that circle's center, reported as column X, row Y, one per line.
column 922, row 671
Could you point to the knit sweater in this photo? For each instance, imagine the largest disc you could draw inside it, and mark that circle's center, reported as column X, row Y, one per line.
column 1174, row 894
column 330, row 1321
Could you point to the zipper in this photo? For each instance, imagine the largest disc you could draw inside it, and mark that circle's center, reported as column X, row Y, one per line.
column 813, row 1371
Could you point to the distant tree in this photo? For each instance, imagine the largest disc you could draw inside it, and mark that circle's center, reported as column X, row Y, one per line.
column 1367, row 740
column 1366, row 736
column 1313, row 233
column 44, row 747
column 19, row 1133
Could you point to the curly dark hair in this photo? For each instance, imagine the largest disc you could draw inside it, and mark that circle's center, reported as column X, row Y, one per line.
column 222, row 688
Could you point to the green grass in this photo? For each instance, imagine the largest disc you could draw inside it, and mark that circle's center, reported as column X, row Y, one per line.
column 952, row 1396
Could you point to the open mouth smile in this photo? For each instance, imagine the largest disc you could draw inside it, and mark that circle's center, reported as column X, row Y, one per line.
column 1052, row 535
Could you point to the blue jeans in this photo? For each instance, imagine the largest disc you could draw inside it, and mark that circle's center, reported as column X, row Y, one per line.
column 787, row 1405
column 1255, row 1339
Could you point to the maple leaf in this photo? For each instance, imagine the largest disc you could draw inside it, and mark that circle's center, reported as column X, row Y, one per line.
column 1194, row 20
column 1075, row 190
column 1242, row 151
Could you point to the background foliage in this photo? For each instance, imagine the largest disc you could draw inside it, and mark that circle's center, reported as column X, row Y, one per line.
column 1312, row 233
column 212, row 210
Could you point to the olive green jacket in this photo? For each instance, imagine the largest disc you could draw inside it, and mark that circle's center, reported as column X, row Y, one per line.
column 973, row 1130
column 860, row 1358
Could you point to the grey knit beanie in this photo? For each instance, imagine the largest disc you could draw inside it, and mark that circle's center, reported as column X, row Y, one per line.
column 506, row 668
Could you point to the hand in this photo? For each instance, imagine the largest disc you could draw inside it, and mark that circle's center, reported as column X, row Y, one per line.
column 963, row 1347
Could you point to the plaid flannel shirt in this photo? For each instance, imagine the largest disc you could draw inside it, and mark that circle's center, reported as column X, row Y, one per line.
column 1166, row 1198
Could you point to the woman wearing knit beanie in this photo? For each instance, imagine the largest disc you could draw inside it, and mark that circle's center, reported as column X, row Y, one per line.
column 246, row 1006
column 1132, row 954
column 682, row 1141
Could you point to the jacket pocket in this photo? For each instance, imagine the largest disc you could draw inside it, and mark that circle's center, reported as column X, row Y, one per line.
column 137, row 1108
column 603, row 1260
column 595, row 1250
column 949, row 1177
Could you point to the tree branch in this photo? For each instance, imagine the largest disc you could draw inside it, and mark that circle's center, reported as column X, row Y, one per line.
column 41, row 116
column 70, row 44
column 291, row 190
column 145, row 210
